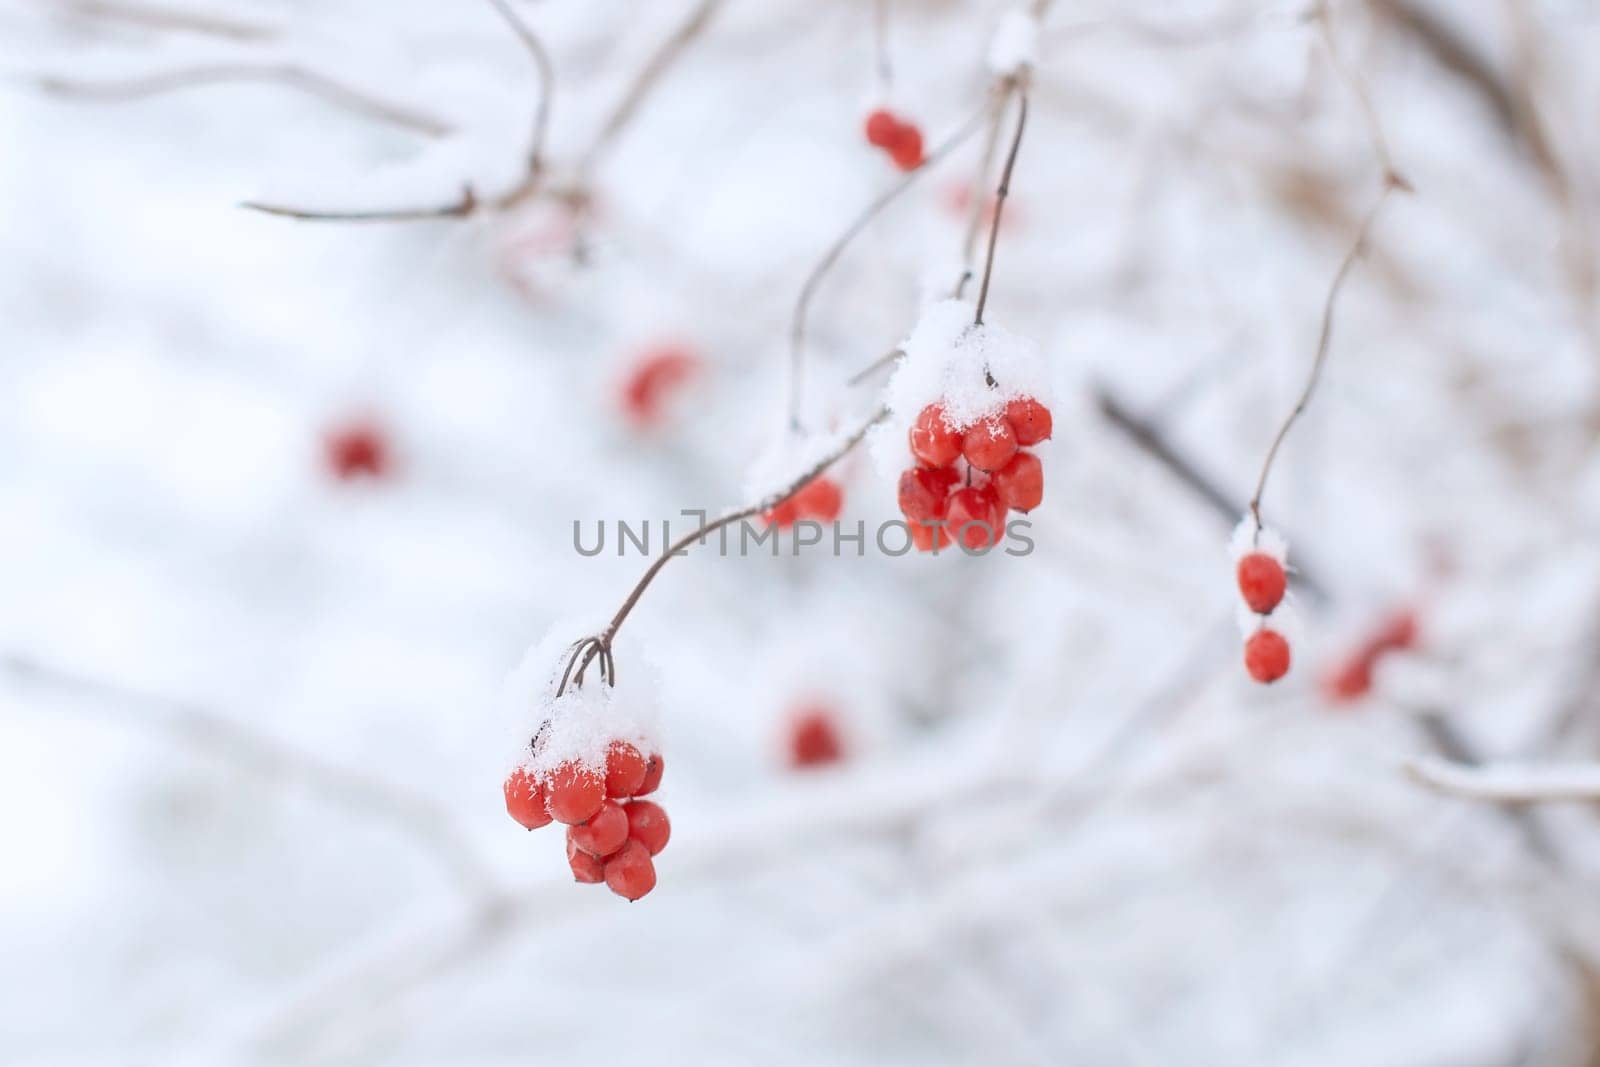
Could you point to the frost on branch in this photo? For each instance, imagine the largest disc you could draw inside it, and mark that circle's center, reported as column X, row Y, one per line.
column 1015, row 43
column 1246, row 539
column 970, row 371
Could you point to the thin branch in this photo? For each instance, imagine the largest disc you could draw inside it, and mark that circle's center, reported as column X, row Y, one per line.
column 547, row 81
column 461, row 208
column 657, row 65
column 411, row 813
column 1324, row 337
column 1510, row 783
column 292, row 75
column 155, row 17
column 1358, row 89
column 601, row 643
column 980, row 192
column 1000, row 200
column 797, row 324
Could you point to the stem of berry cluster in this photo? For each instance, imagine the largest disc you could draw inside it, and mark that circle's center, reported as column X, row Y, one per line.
column 599, row 646
column 1001, row 193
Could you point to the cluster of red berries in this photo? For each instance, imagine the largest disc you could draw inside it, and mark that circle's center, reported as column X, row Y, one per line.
column 941, row 504
column 651, row 383
column 358, row 448
column 1262, row 583
column 820, row 500
column 1352, row 678
column 901, row 139
column 611, row 833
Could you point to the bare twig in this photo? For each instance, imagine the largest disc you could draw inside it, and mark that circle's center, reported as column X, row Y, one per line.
column 291, row 75
column 152, row 16
column 458, row 209
column 797, row 323
column 547, row 82
column 1510, row 783
column 1000, row 200
column 980, row 192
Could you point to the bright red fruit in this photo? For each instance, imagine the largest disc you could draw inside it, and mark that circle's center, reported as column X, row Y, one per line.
column 990, row 444
column 604, row 833
column 624, row 770
column 881, row 128
column 573, row 793
column 1030, row 419
column 1261, row 582
column 906, row 148
column 652, row 380
column 927, row 536
column 648, row 825
column 1266, row 656
column 783, row 515
column 1020, row 483
column 630, row 873
column 525, row 800
column 653, row 768
column 358, row 449
column 923, row 491
column 932, row 441
column 821, row 499
column 975, row 518
column 585, row 868
column 814, row 739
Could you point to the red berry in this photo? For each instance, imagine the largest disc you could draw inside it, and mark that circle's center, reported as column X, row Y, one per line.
column 573, row 793
column 585, row 868
column 1399, row 633
column 1351, row 681
column 1266, row 656
column 975, row 518
column 1030, row 419
column 1020, row 483
column 990, row 444
column 357, row 449
column 927, row 536
column 648, row 825
column 604, row 833
column 630, row 873
column 881, row 128
column 906, row 148
column 525, row 800
column 783, row 515
column 821, row 499
column 653, row 768
column 652, row 380
column 814, row 740
column 1261, row 582
column 923, row 491
column 624, row 770
column 933, row 442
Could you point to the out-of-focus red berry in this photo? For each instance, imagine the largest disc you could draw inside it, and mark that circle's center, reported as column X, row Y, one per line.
column 906, row 148
column 881, row 127
column 820, row 499
column 358, row 449
column 814, row 739
column 651, row 382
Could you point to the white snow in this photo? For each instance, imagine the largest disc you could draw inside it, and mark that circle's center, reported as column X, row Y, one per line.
column 1015, row 43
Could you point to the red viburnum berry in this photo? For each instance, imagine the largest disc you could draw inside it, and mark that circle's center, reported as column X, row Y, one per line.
column 923, row 491
column 1030, row 419
column 1266, row 656
column 1261, row 581
column 783, row 515
column 820, row 499
column 814, row 739
column 1351, row 681
column 573, row 793
column 648, row 825
column 603, row 833
column 990, row 444
column 652, row 380
column 933, row 442
column 1020, row 483
column 585, row 868
column 906, row 148
column 975, row 518
column 929, row 536
column 625, row 769
column 358, row 449
column 630, row 873
column 881, row 127
column 653, row 768
column 525, row 800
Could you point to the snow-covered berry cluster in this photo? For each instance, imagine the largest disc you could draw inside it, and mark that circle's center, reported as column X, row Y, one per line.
column 611, row 833
column 942, row 503
column 969, row 400
column 902, row 140
column 585, row 756
column 1260, row 572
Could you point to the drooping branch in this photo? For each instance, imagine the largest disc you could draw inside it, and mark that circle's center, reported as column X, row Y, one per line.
column 547, row 82
column 1000, row 200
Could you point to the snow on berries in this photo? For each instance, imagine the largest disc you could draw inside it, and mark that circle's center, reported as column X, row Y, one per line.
column 1260, row 572
column 902, row 140
column 583, row 759
column 967, row 401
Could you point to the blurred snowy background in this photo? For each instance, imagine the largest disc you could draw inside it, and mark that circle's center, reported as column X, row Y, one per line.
column 249, row 774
